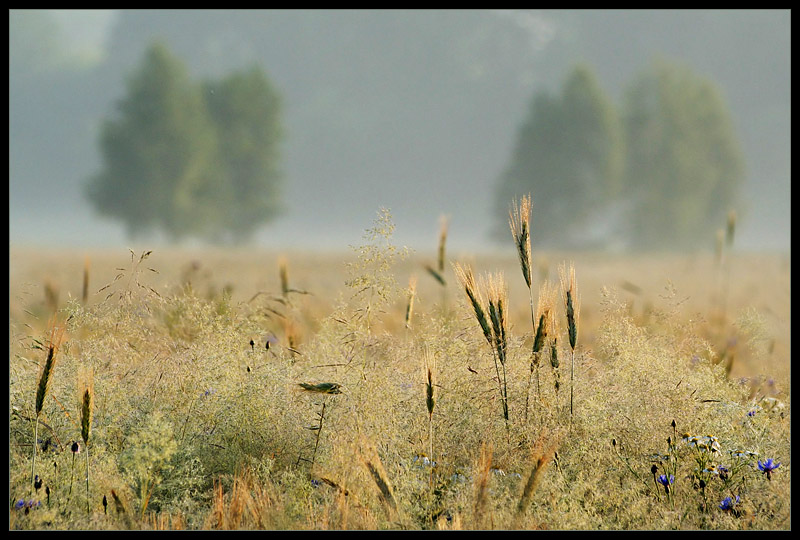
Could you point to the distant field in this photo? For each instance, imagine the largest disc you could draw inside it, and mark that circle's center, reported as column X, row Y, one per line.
column 246, row 389
column 756, row 282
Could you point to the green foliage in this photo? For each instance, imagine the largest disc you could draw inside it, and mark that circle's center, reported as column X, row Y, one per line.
column 189, row 159
column 371, row 274
column 671, row 161
column 569, row 152
column 245, row 110
column 146, row 459
column 684, row 161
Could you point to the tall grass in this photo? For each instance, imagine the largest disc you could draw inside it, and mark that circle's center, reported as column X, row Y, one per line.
column 187, row 424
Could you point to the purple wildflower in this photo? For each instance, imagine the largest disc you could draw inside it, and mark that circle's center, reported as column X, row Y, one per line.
column 664, row 481
column 767, row 466
column 729, row 504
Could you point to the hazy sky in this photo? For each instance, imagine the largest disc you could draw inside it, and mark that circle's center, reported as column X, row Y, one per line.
column 766, row 224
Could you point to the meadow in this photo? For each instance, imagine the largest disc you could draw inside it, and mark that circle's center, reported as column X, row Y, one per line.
column 385, row 388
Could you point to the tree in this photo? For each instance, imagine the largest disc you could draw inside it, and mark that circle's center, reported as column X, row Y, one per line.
column 569, row 156
column 684, row 161
column 189, row 159
column 244, row 108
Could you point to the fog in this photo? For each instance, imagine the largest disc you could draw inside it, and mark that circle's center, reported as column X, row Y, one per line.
column 419, row 116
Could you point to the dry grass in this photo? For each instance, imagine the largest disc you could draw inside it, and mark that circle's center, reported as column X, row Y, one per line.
column 192, row 427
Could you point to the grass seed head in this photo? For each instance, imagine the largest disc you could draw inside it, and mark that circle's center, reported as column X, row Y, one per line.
column 443, row 220
column 519, row 220
column 572, row 301
column 467, row 279
column 412, row 292
column 46, row 377
column 86, row 404
column 498, row 301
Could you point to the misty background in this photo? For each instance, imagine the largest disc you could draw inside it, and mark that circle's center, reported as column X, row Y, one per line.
column 416, row 111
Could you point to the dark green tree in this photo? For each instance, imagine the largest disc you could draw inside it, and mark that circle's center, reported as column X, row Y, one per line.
column 569, row 157
column 158, row 153
column 684, row 161
column 191, row 160
column 245, row 110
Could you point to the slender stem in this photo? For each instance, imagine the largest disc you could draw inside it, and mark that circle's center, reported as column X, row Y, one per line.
column 571, row 382
column 319, row 431
column 35, row 444
column 87, row 479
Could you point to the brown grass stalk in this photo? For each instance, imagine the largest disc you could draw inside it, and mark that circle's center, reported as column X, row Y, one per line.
column 412, row 292
column 542, row 453
column 481, row 486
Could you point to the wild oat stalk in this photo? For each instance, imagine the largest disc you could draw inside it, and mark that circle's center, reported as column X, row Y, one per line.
column 572, row 304
column 45, row 381
column 87, row 404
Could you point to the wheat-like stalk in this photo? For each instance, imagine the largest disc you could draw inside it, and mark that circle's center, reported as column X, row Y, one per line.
column 372, row 462
column 412, row 292
column 554, row 362
column 542, row 453
column 283, row 273
column 85, row 293
column 572, row 304
column 467, row 279
column 430, row 403
column 491, row 316
column 731, row 228
column 481, row 485
column 87, row 405
column 45, row 381
column 498, row 302
column 545, row 309
column 443, row 220
column 519, row 218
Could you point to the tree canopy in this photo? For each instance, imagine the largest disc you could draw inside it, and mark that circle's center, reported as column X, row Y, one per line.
column 662, row 173
column 568, row 155
column 190, row 159
column 684, row 161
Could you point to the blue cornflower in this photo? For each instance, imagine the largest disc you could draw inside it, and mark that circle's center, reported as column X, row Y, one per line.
column 729, row 503
column 664, row 481
column 767, row 466
column 751, row 413
column 22, row 503
column 315, row 482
